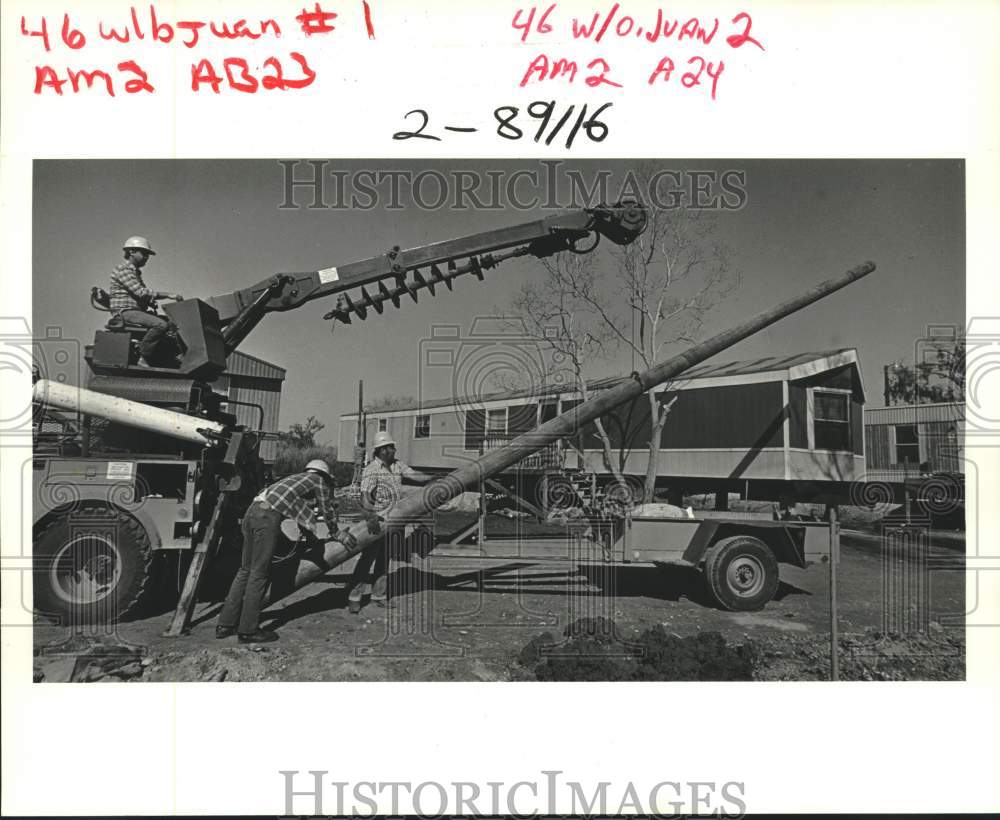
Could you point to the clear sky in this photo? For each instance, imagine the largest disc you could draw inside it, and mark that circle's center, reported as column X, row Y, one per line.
column 217, row 226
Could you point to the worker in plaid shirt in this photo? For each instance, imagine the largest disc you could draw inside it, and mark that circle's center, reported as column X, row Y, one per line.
column 292, row 497
column 136, row 303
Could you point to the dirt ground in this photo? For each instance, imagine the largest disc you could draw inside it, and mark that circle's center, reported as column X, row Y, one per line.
column 462, row 618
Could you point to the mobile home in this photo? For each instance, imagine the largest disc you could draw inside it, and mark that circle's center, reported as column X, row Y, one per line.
column 775, row 427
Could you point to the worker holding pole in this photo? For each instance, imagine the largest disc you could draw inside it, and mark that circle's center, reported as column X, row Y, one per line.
column 381, row 487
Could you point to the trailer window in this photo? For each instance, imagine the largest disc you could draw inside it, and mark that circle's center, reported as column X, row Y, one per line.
column 496, row 421
column 422, row 427
column 907, row 444
column 831, row 421
column 383, row 425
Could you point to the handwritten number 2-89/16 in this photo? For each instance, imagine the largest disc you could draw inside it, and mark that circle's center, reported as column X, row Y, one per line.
column 551, row 123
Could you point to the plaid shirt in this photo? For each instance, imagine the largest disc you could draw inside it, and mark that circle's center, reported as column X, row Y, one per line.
column 128, row 291
column 291, row 495
column 383, row 485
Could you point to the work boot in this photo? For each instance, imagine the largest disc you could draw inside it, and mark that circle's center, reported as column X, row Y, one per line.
column 356, row 596
column 142, row 362
column 224, row 631
column 380, row 596
column 259, row 636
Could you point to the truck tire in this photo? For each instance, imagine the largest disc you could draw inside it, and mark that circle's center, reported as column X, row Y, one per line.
column 92, row 564
column 741, row 573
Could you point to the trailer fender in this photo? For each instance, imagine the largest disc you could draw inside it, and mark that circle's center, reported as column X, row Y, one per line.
column 787, row 541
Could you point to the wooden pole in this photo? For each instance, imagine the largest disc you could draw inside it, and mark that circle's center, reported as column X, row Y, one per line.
column 361, row 412
column 469, row 477
column 482, row 512
column 834, row 560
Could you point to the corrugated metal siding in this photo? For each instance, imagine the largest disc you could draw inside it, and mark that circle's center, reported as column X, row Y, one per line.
column 878, row 452
column 242, row 364
column 266, row 393
column 939, row 445
column 939, row 435
column 915, row 413
column 346, row 440
column 254, row 381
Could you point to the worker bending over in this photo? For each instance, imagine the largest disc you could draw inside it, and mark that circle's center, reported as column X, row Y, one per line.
column 292, row 497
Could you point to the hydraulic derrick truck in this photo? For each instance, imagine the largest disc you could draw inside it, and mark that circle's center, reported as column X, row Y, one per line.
column 147, row 461
column 81, row 566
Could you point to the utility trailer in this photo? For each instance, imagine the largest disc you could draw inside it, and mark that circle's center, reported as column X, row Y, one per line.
column 738, row 555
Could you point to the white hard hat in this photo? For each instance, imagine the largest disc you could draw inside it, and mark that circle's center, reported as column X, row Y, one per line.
column 381, row 440
column 138, row 242
column 317, row 465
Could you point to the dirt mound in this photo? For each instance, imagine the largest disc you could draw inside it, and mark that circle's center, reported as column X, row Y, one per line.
column 236, row 664
column 938, row 654
column 593, row 650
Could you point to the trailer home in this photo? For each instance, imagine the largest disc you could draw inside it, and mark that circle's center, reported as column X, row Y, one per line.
column 909, row 440
column 775, row 427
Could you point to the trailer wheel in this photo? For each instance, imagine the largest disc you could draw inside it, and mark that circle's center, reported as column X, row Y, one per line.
column 741, row 573
column 92, row 564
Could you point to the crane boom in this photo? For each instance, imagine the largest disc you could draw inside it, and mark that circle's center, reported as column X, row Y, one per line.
column 420, row 268
column 211, row 329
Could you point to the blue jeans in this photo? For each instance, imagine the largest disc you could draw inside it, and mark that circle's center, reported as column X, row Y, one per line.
column 260, row 534
column 369, row 580
column 157, row 325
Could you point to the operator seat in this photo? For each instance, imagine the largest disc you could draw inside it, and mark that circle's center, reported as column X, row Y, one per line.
column 100, row 299
column 121, row 345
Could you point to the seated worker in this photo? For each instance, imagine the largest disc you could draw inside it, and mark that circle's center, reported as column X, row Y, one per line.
column 136, row 303
column 381, row 485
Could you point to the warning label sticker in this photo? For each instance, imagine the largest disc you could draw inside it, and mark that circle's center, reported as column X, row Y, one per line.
column 120, row 469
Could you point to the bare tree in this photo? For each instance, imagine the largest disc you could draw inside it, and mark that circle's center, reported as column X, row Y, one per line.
column 642, row 297
column 670, row 278
column 558, row 313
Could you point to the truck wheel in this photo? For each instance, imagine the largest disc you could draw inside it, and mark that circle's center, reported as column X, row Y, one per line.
column 91, row 565
column 741, row 573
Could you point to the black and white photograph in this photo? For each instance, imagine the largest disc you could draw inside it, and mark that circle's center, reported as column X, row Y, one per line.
column 578, row 408
column 499, row 421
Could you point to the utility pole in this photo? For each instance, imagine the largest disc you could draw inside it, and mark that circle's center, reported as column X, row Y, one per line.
column 359, row 446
